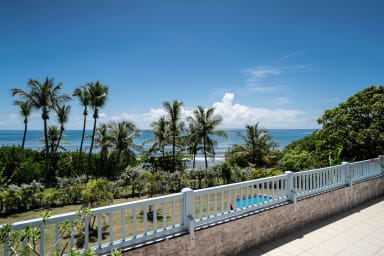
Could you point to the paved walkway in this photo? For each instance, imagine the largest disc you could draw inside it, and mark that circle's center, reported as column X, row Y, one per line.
column 359, row 231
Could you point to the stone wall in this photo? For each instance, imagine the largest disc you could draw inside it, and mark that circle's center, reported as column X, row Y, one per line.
column 234, row 236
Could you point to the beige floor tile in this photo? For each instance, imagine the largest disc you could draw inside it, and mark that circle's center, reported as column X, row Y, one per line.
column 357, row 250
column 304, row 244
column 279, row 252
column 369, row 247
column 378, row 241
column 361, row 233
column 305, row 254
column 331, row 247
column 317, row 236
column 291, row 249
column 347, row 240
column 317, row 251
column 347, row 253
column 380, row 253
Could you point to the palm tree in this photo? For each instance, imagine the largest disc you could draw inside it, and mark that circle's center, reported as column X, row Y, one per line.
column 258, row 145
column 102, row 142
column 121, row 138
column 44, row 96
column 192, row 142
column 205, row 122
column 62, row 113
column 53, row 138
column 160, row 139
column 25, row 108
column 175, row 126
column 83, row 95
column 98, row 97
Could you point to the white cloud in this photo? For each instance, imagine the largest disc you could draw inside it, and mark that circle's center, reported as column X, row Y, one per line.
column 237, row 115
column 282, row 101
column 262, row 72
column 263, row 79
column 234, row 115
column 259, row 78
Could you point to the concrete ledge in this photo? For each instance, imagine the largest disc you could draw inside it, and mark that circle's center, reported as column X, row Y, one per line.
column 239, row 234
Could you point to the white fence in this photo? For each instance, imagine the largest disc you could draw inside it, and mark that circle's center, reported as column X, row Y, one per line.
column 129, row 224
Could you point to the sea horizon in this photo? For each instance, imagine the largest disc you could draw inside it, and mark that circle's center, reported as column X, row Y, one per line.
column 72, row 139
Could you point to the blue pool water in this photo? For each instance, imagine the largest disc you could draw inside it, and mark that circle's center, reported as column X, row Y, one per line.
column 259, row 199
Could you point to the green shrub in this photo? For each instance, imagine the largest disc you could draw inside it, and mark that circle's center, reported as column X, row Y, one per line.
column 96, row 193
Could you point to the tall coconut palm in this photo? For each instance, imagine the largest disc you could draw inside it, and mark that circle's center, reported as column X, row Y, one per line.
column 205, row 122
column 98, row 94
column 121, row 139
column 53, row 138
column 62, row 113
column 192, row 142
column 44, row 96
column 102, row 142
column 175, row 125
column 159, row 129
column 25, row 109
column 83, row 95
column 258, row 144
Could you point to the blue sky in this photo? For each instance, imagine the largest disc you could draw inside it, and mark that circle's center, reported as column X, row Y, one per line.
column 277, row 62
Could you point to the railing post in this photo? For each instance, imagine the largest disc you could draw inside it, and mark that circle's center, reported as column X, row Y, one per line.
column 6, row 248
column 188, row 213
column 347, row 173
column 290, row 189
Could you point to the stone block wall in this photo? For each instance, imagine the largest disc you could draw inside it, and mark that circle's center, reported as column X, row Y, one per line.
column 234, row 236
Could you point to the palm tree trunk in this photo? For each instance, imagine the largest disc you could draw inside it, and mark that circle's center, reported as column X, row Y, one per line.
column 46, row 150
column 174, row 153
column 205, row 153
column 23, row 142
column 91, row 147
column 194, row 156
column 60, row 137
column 80, row 162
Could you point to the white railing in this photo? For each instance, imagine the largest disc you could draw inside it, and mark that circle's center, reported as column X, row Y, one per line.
column 365, row 169
column 220, row 202
column 128, row 224
column 314, row 181
column 114, row 226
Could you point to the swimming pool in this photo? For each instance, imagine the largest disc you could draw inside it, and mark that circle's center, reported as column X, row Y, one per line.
column 257, row 199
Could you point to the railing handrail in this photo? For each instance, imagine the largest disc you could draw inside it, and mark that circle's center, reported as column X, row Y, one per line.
column 99, row 210
column 138, row 203
column 239, row 184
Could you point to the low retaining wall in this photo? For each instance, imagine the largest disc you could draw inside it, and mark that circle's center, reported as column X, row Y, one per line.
column 236, row 235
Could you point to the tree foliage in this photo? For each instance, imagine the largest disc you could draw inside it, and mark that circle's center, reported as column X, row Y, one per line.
column 352, row 131
column 356, row 125
column 203, row 125
column 44, row 96
column 257, row 150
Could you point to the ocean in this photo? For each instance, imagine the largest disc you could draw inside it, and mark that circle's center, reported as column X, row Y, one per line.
column 72, row 139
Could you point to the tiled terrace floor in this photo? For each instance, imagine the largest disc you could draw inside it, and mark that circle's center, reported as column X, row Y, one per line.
column 359, row 231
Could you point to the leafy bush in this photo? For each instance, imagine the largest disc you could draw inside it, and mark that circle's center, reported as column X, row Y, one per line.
column 96, row 193
column 16, row 198
column 30, row 169
column 262, row 173
column 297, row 160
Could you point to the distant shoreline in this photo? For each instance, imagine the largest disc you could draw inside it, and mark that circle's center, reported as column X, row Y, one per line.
column 72, row 138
